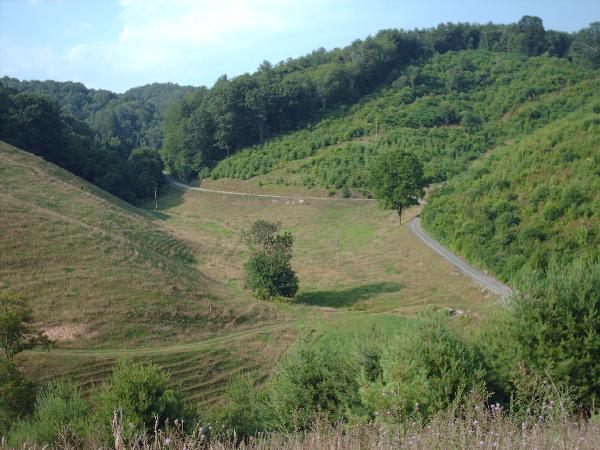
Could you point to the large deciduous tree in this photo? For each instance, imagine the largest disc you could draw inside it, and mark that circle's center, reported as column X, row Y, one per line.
column 586, row 46
column 396, row 179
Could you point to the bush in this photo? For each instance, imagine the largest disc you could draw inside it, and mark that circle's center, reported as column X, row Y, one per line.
column 268, row 271
column 424, row 370
column 557, row 326
column 245, row 410
column 61, row 416
column 17, row 395
column 319, row 378
column 139, row 393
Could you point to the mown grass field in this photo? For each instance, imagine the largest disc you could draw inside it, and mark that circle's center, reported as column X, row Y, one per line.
column 109, row 280
column 348, row 254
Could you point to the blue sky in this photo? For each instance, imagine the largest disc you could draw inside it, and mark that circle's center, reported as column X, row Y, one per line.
column 119, row 44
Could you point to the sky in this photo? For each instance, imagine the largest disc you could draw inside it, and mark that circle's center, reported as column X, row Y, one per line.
column 120, row 44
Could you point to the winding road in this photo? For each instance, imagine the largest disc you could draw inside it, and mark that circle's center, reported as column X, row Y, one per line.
column 479, row 277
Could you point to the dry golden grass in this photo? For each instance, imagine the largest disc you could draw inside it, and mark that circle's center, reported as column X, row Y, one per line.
column 348, row 254
column 470, row 426
column 87, row 261
column 112, row 280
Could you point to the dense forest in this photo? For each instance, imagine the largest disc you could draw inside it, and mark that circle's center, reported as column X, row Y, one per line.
column 109, row 139
column 212, row 124
column 447, row 112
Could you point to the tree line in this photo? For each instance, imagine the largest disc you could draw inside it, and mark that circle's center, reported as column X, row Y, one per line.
column 108, row 139
column 211, row 124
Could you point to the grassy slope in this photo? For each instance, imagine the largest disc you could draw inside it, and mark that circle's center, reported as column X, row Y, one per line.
column 167, row 285
column 382, row 267
column 98, row 268
column 529, row 201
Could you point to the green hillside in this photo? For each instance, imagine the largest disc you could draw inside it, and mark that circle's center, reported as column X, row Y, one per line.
column 448, row 112
column 97, row 270
column 531, row 201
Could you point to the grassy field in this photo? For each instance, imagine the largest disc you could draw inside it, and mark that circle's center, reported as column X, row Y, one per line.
column 109, row 280
column 348, row 254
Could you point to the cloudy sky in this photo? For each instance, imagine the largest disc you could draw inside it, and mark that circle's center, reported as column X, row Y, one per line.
column 119, row 44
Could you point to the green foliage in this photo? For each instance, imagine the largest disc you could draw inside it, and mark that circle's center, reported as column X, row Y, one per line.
column 18, row 331
column 556, row 323
column 423, row 370
column 139, row 394
column 249, row 112
column 245, row 410
column 447, row 111
column 90, row 133
column 530, row 201
column 318, row 378
column 61, row 417
column 397, row 180
column 268, row 270
column 145, row 167
column 586, row 46
column 17, row 395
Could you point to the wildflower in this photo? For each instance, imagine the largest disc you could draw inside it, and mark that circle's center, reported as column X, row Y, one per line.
column 167, row 441
column 201, row 430
column 481, row 443
column 376, row 413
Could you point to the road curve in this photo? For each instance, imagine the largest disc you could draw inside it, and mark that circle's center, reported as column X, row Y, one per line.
column 415, row 226
column 484, row 280
column 181, row 185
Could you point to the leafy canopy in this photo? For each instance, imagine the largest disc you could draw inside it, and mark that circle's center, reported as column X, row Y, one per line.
column 397, row 180
column 268, row 270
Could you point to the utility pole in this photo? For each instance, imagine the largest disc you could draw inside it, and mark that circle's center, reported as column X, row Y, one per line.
column 337, row 250
column 155, row 198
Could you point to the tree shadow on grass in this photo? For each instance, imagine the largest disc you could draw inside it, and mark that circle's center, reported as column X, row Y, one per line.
column 347, row 297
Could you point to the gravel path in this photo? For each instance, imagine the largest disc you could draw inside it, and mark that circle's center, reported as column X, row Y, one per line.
column 485, row 280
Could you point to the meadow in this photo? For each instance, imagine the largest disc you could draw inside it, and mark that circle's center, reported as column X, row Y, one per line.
column 107, row 280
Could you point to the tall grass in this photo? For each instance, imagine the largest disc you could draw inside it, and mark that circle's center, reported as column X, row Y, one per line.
column 471, row 425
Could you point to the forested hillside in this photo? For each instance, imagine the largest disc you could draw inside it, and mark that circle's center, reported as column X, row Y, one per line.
column 212, row 124
column 108, row 139
column 447, row 112
column 119, row 121
column 529, row 202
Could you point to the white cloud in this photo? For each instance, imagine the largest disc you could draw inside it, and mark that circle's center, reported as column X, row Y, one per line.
column 159, row 32
column 15, row 59
column 189, row 41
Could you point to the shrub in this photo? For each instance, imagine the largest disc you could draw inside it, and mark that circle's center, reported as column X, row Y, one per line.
column 140, row 395
column 61, row 416
column 268, row 271
column 424, row 370
column 557, row 326
column 17, row 394
column 319, row 378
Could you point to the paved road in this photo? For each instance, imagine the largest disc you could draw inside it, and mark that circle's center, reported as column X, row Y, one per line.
column 485, row 280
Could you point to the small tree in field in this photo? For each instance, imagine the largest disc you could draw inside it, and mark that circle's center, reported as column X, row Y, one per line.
column 17, row 330
column 268, row 271
column 396, row 179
